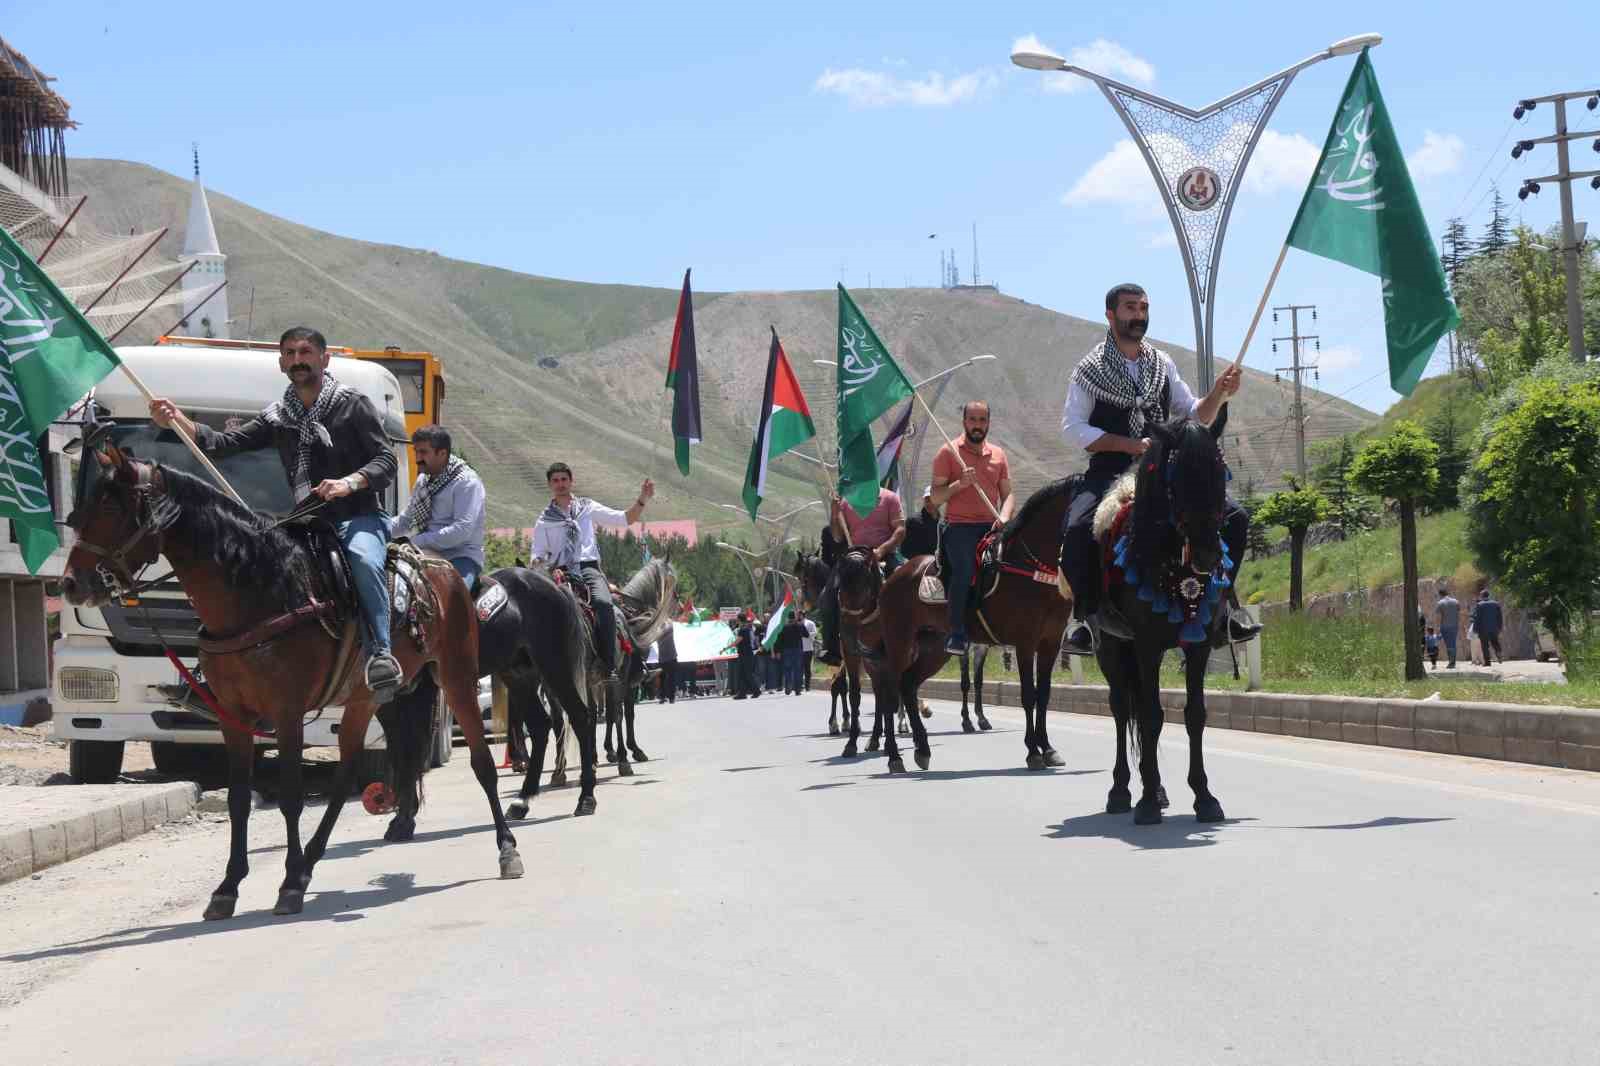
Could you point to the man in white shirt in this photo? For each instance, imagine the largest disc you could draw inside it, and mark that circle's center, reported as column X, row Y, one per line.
column 446, row 506
column 1122, row 386
column 808, row 646
column 564, row 537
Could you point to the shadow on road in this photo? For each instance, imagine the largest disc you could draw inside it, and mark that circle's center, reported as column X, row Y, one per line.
column 745, row 769
column 969, row 775
column 349, row 848
column 1174, row 831
column 334, row 905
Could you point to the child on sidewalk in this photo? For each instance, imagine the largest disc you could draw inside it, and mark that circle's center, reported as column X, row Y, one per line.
column 1430, row 641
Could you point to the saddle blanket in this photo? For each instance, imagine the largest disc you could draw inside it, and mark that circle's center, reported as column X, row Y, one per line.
column 931, row 590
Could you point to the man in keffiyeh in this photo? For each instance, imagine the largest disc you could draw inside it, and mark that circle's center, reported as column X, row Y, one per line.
column 564, row 537
column 446, row 506
column 1123, row 386
column 331, row 442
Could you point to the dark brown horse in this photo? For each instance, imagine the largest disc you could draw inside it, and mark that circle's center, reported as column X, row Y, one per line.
column 253, row 582
column 1026, row 610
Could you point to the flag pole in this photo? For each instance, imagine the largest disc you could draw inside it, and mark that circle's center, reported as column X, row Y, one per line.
column 1266, row 294
column 964, row 467
column 194, row 448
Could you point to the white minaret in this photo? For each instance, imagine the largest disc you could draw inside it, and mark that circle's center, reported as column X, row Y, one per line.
column 208, row 319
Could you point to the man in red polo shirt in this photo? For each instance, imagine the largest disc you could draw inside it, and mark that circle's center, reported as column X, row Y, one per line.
column 882, row 530
column 971, row 481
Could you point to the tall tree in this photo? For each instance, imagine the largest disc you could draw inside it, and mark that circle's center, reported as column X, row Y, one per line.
column 1457, row 249
column 1297, row 509
column 1348, row 510
column 1445, row 430
column 1403, row 466
column 1497, row 234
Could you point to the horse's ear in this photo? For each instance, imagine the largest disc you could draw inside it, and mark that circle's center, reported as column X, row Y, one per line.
column 1162, row 433
column 1219, row 423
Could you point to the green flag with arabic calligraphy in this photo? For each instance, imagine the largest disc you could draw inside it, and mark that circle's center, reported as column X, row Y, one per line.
column 49, row 357
column 1361, row 209
column 869, row 383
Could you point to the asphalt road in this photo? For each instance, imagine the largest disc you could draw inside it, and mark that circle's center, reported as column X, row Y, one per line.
column 750, row 897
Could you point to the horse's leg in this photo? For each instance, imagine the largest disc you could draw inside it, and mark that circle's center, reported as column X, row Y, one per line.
column 836, row 689
column 886, row 697
column 561, row 727
column 527, row 708
column 852, row 705
column 575, row 722
column 1044, row 662
column 616, row 708
column 633, row 741
column 966, row 683
column 1030, row 713
column 1112, row 659
column 977, row 687
column 461, row 693
column 1147, row 709
column 291, row 800
column 241, row 760
column 1206, row 806
column 611, row 708
column 922, row 752
column 352, row 738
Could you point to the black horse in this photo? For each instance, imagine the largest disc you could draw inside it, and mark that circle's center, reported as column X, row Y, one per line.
column 1170, row 577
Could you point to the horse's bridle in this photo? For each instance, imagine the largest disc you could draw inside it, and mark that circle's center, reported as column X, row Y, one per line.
column 1168, row 479
column 154, row 512
column 875, row 575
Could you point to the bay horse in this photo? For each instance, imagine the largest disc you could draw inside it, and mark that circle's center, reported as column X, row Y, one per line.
column 1027, row 610
column 1160, row 530
column 263, row 653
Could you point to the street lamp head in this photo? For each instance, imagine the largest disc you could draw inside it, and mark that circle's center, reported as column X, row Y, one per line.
column 987, row 357
column 1351, row 45
column 1031, row 60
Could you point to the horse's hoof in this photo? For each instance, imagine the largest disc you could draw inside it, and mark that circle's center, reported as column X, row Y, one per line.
column 1161, row 797
column 639, row 756
column 517, row 810
column 290, row 901
column 897, row 765
column 1053, row 758
column 558, row 778
column 927, row 712
column 1208, row 810
column 1119, row 802
column 586, row 806
column 519, row 766
column 611, row 756
column 400, row 829
column 983, row 724
column 849, row 749
column 1147, row 813
column 968, row 727
column 1035, row 761
column 220, row 907
column 923, row 758
column 510, row 863
column 873, row 745
column 833, row 730
column 624, row 769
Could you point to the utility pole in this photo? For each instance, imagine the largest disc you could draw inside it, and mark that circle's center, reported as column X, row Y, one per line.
column 1570, row 237
column 1298, row 369
column 974, row 253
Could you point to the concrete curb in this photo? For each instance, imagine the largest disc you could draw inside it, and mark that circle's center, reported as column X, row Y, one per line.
column 46, row 825
column 1567, row 737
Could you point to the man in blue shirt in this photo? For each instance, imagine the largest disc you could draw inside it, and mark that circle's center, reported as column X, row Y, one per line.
column 1487, row 621
column 446, row 506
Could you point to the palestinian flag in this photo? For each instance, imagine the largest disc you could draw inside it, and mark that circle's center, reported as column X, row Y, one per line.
column 784, row 423
column 889, row 450
column 779, row 619
column 683, row 378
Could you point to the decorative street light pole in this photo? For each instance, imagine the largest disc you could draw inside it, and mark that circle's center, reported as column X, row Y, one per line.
column 1198, row 159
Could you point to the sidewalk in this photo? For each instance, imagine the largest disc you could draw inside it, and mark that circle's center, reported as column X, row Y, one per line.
column 44, row 825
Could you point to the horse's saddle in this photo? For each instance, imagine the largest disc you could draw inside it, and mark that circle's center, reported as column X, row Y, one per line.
column 410, row 595
column 985, row 573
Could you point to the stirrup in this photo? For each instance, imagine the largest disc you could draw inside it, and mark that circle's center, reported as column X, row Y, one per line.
column 1081, row 639
column 383, row 690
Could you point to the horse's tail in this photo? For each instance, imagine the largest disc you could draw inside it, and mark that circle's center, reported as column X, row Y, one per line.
column 408, row 722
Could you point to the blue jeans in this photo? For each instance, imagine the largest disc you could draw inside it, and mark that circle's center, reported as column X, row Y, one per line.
column 469, row 569
column 1448, row 635
column 366, row 538
column 793, row 669
column 961, row 552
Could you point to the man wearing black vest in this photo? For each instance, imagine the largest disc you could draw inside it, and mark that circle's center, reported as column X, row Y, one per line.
column 1122, row 386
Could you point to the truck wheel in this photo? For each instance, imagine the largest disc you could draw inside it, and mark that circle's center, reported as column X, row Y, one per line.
column 371, row 766
column 94, row 762
column 443, row 737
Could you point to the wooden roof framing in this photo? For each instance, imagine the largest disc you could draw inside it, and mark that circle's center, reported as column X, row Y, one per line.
column 33, row 123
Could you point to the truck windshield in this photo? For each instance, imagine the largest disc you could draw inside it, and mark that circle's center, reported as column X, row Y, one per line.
column 257, row 476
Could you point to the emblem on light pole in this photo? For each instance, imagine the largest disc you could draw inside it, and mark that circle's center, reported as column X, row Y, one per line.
column 1198, row 188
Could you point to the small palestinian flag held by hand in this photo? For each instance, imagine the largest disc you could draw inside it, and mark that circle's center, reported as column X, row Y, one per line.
column 779, row 619
column 683, row 378
column 784, row 423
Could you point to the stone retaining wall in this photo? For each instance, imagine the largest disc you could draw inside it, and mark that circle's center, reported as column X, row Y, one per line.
column 1545, row 736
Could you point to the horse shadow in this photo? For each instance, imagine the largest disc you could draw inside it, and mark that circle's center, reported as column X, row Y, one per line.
column 1172, row 833
column 346, row 849
column 331, row 905
column 972, row 775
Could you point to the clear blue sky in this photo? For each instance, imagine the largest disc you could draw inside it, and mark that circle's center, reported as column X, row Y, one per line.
column 782, row 147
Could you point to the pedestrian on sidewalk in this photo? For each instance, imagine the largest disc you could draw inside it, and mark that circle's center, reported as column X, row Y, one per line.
column 808, row 648
column 788, row 647
column 1448, row 613
column 1488, row 620
column 1430, row 643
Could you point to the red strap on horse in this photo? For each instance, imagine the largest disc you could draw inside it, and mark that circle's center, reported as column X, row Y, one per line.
column 208, row 697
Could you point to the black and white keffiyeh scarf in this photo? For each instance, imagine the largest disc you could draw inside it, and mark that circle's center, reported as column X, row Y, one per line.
column 290, row 412
column 567, row 557
column 421, row 511
column 1102, row 376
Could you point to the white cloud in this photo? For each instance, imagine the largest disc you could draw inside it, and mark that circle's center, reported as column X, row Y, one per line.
column 1335, row 359
column 871, row 88
column 1281, row 161
column 1119, row 177
column 1100, row 55
column 1440, row 154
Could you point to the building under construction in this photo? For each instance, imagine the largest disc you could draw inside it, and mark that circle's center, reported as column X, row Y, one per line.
column 34, row 121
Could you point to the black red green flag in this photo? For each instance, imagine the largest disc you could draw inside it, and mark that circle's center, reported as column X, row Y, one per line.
column 683, row 378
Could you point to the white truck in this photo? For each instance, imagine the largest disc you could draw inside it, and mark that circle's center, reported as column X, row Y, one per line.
column 109, row 661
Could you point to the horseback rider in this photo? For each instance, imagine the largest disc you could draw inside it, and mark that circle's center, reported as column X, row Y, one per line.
column 971, row 481
column 332, row 445
column 882, row 529
column 446, row 506
column 922, row 529
column 1122, row 386
column 564, row 538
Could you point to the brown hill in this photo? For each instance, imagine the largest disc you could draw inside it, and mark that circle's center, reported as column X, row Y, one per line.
column 601, row 406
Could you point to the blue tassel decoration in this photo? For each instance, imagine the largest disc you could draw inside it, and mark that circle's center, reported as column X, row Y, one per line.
column 1175, row 613
column 1146, row 593
column 1160, row 604
column 1192, row 632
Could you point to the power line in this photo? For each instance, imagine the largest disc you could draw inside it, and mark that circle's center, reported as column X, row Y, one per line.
column 1487, row 160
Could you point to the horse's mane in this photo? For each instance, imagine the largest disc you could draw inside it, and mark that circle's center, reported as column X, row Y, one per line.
column 653, row 588
column 1199, row 482
column 254, row 558
column 1035, row 503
